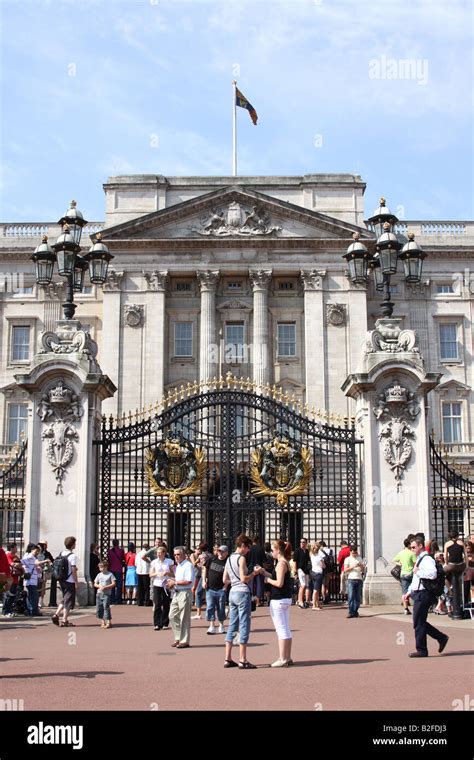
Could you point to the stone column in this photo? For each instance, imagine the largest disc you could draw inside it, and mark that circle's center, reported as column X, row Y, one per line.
column 390, row 391
column 111, row 351
column 208, row 349
column 314, row 339
column 155, row 345
column 66, row 387
column 260, row 281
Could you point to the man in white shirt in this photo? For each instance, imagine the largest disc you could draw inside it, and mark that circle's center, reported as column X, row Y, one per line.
column 142, row 563
column 354, row 568
column 425, row 567
column 180, row 610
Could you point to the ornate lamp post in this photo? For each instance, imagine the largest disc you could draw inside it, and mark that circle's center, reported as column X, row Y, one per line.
column 66, row 253
column 383, row 263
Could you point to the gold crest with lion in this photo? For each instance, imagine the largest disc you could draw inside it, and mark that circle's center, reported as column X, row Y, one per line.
column 280, row 468
column 175, row 468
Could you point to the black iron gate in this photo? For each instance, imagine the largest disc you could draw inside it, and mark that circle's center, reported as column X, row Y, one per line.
column 227, row 425
column 452, row 498
column 12, row 497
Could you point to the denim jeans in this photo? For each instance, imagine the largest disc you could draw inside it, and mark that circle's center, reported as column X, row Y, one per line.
column 103, row 606
column 215, row 601
column 354, row 590
column 240, row 611
column 10, row 596
column 117, row 591
column 32, row 600
column 199, row 594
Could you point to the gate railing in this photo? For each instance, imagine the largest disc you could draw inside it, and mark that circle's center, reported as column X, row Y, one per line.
column 452, row 498
column 12, row 498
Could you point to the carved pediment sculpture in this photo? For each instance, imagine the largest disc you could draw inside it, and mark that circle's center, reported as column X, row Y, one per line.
column 237, row 220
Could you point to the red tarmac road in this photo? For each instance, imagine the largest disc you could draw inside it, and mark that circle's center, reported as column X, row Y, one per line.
column 340, row 664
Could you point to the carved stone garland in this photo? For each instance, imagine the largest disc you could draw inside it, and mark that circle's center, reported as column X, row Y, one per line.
column 396, row 407
column 60, row 409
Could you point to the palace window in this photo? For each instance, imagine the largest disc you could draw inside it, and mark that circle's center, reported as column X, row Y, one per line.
column 445, row 288
column 183, row 287
column 20, row 351
column 452, row 427
column 234, row 285
column 17, row 423
column 183, row 339
column 234, row 341
column 448, row 341
column 286, row 339
column 286, row 285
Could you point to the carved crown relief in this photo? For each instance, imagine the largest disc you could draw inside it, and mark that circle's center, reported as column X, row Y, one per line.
column 60, row 409
column 395, row 408
column 236, row 220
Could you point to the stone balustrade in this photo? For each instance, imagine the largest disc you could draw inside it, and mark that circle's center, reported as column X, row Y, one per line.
column 30, row 230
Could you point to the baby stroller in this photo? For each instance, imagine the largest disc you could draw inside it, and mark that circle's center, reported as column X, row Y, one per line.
column 19, row 604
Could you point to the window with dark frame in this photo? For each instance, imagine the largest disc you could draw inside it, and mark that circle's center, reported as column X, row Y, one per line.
column 183, row 339
column 286, row 339
column 20, row 351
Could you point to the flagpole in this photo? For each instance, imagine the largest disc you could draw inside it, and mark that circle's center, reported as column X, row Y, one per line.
column 234, row 129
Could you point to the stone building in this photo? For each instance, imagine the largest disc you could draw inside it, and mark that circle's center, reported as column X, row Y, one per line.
column 243, row 274
column 246, row 275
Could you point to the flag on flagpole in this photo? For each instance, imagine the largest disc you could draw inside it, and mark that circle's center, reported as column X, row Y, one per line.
column 241, row 100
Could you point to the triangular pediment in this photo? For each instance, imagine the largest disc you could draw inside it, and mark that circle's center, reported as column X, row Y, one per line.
column 236, row 214
column 455, row 387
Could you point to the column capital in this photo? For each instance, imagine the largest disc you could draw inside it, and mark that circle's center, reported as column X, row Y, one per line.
column 207, row 280
column 260, row 279
column 156, row 280
column 114, row 280
column 313, row 279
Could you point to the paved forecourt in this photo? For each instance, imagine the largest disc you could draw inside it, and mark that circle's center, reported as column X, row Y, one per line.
column 340, row 664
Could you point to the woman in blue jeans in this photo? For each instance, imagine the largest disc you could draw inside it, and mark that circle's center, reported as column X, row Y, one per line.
column 240, row 600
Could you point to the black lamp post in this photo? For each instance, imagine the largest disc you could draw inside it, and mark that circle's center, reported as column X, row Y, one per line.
column 65, row 252
column 383, row 263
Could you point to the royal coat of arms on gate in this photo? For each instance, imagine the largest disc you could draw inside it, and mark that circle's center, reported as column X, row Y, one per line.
column 280, row 468
column 175, row 468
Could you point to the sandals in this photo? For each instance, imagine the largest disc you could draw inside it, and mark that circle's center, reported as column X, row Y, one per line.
column 230, row 664
column 55, row 619
column 247, row 666
column 62, row 624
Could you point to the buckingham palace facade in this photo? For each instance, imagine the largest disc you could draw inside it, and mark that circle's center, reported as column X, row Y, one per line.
column 245, row 277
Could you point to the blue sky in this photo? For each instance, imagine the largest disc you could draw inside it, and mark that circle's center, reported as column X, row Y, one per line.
column 93, row 88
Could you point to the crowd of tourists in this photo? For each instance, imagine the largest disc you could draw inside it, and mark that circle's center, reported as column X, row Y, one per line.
column 225, row 585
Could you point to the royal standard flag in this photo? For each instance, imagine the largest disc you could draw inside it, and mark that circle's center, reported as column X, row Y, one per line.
column 241, row 100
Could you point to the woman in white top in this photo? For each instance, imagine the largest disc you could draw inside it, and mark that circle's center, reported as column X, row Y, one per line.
column 162, row 568
column 317, row 573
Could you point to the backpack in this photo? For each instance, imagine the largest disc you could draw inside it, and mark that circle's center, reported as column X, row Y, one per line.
column 436, row 585
column 61, row 570
column 328, row 560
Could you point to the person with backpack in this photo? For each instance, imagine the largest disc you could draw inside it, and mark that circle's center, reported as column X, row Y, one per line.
column 328, row 569
column 424, row 588
column 240, row 599
column 65, row 572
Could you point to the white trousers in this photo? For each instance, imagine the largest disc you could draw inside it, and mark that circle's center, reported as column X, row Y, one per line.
column 280, row 612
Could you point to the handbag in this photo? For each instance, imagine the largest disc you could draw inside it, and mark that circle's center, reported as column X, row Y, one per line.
column 396, row 572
